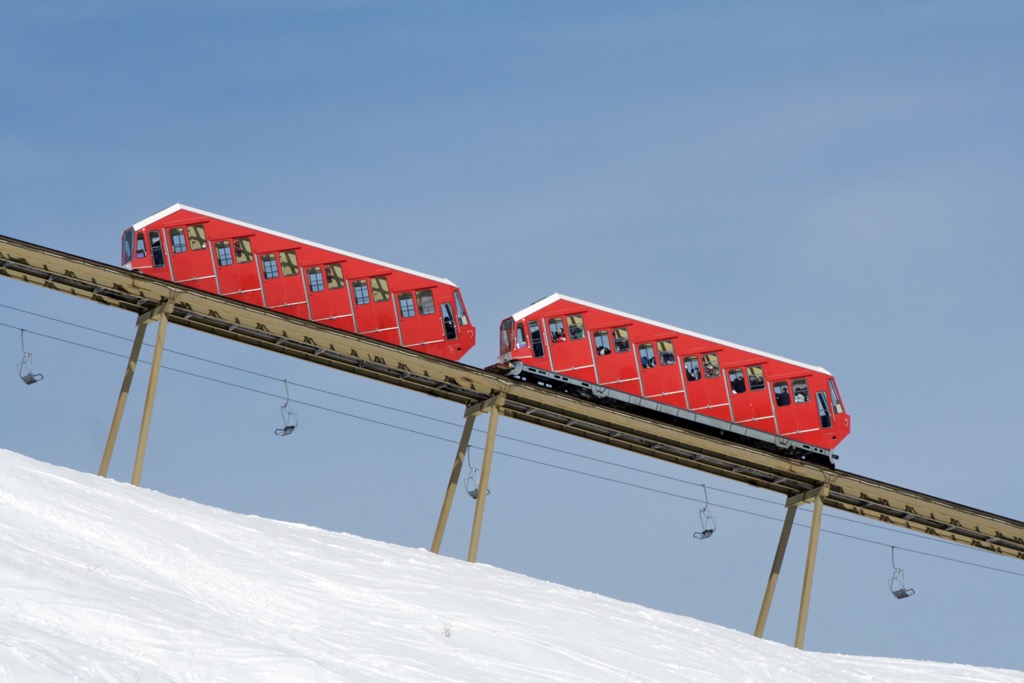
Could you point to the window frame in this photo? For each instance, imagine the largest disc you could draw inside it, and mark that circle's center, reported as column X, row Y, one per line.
column 196, row 237
column 179, row 244
column 274, row 271
column 223, row 247
column 406, row 304
column 315, row 284
column 361, row 292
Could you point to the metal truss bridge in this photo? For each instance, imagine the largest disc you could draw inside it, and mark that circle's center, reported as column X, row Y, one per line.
column 485, row 392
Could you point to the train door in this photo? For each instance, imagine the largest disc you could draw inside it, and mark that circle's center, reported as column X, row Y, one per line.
column 329, row 301
column 374, row 310
column 418, row 318
column 706, row 391
column 237, row 273
column 150, row 256
column 282, row 287
column 190, row 257
column 794, row 411
column 659, row 372
column 570, row 352
column 615, row 363
column 751, row 399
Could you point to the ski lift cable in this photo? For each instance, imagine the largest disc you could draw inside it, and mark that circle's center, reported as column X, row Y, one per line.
column 517, row 457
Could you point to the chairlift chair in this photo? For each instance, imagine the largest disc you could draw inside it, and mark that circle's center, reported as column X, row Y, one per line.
column 896, row 584
column 288, row 416
column 25, row 366
column 472, row 487
column 708, row 524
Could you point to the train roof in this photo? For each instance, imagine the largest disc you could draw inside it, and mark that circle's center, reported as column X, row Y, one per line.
column 548, row 300
column 181, row 207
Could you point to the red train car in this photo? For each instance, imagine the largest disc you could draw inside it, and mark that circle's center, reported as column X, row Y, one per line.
column 301, row 278
column 599, row 350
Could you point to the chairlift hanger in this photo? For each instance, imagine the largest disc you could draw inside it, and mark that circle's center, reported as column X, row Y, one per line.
column 896, row 584
column 472, row 487
column 25, row 366
column 708, row 524
column 288, row 416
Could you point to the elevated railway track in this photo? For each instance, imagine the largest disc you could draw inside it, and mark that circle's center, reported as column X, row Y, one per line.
column 487, row 392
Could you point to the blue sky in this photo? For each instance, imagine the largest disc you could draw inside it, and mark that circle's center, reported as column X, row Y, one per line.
column 838, row 184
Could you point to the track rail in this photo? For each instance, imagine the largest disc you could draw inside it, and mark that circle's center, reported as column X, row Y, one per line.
column 464, row 384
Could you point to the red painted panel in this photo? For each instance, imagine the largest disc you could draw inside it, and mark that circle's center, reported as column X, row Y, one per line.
column 228, row 268
column 705, row 390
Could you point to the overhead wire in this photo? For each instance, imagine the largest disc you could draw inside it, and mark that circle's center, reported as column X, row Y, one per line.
column 513, row 456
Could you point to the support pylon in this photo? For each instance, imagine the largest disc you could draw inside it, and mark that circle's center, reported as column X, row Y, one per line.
column 817, row 495
column 493, row 406
column 158, row 314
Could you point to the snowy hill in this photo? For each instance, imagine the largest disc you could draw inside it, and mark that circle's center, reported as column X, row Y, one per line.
column 101, row 581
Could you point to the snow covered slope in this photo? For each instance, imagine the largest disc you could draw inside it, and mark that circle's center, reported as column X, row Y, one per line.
column 101, row 581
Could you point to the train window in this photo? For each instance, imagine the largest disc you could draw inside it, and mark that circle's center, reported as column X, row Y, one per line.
column 289, row 264
column 575, row 323
column 736, row 381
column 755, row 375
column 460, row 309
column 837, row 403
column 449, row 325
column 406, row 305
column 667, row 353
column 823, row 414
column 520, row 336
column 126, row 246
column 158, row 251
column 270, row 270
column 800, row 393
column 196, row 237
column 335, row 279
column 535, row 339
column 224, row 257
column 178, row 240
column 140, row 245
column 692, row 368
column 647, row 356
column 243, row 250
column 425, row 301
column 602, row 344
column 621, row 337
column 557, row 329
column 781, row 393
column 711, row 367
column 361, row 292
column 379, row 285
column 316, row 279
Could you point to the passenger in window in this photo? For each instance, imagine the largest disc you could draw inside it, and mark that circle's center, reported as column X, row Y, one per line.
column 736, row 381
column 692, row 368
column 781, row 394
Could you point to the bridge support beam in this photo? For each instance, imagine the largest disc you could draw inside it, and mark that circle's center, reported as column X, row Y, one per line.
column 493, row 406
column 817, row 495
column 158, row 314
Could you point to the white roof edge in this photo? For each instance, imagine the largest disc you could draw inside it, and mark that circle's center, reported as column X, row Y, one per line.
column 548, row 300
column 176, row 207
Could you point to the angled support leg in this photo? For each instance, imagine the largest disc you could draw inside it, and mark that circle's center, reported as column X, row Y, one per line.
column 122, row 399
column 817, row 495
column 491, row 405
column 159, row 313
column 453, row 483
column 485, row 475
column 812, row 552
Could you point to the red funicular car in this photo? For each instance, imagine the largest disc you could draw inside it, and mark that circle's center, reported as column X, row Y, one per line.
column 301, row 278
column 565, row 341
